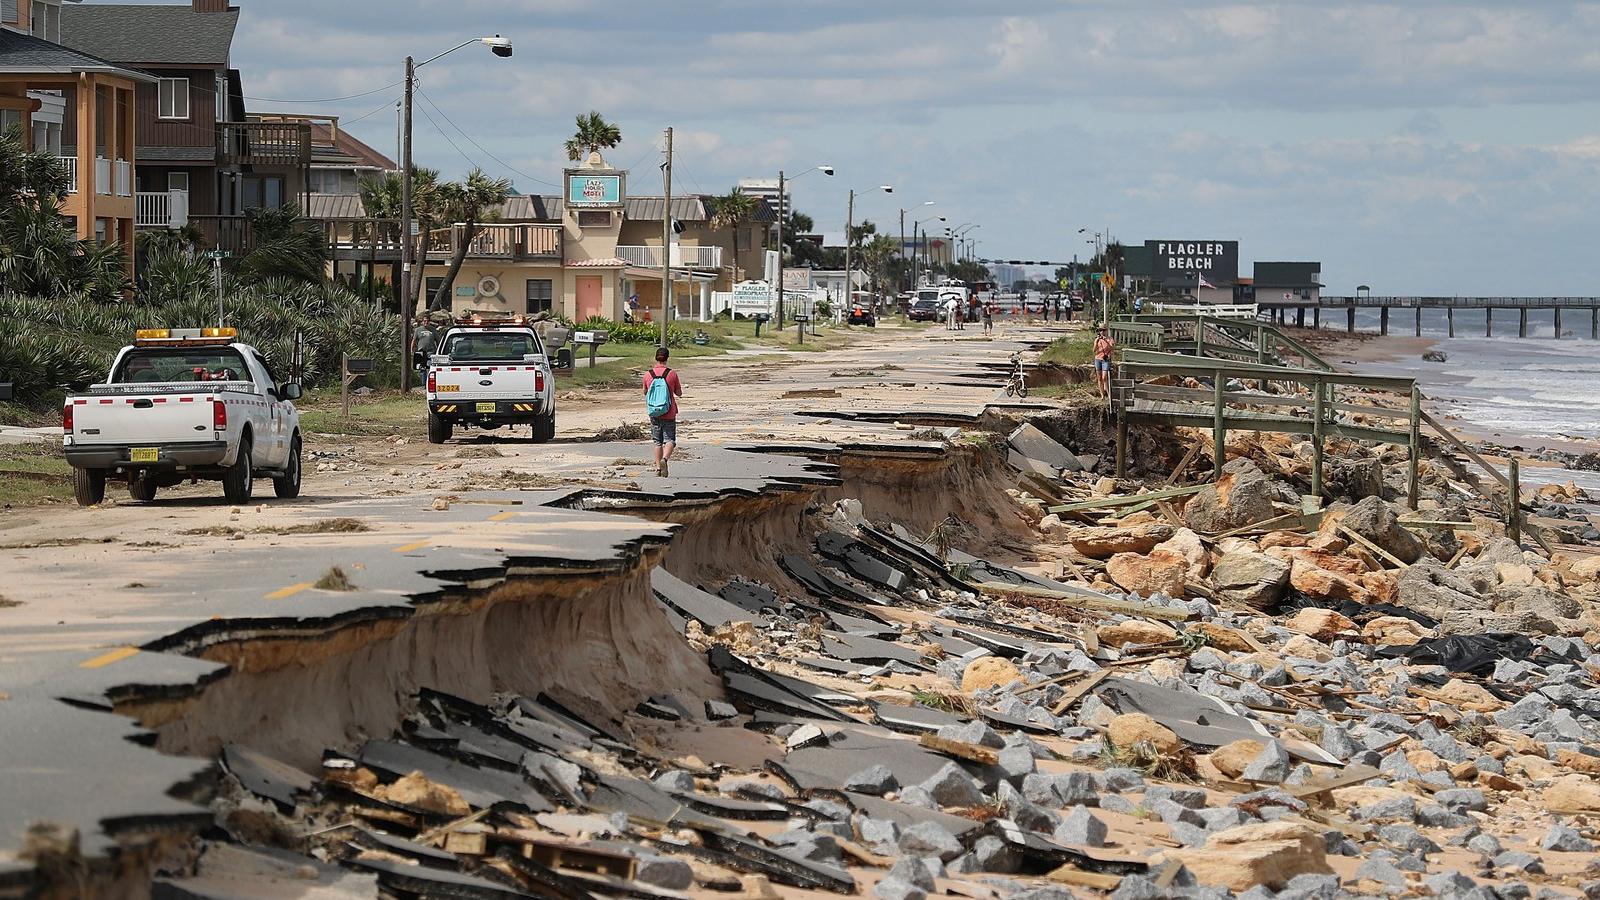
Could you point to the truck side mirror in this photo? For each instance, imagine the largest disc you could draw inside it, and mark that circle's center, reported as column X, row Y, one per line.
column 290, row 391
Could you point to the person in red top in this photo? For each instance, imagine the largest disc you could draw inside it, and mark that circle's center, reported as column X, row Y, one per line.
column 663, row 428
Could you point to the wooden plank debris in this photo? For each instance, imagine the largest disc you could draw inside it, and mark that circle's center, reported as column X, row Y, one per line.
column 960, row 749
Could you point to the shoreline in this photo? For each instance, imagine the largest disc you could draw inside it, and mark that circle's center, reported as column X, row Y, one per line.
column 1402, row 355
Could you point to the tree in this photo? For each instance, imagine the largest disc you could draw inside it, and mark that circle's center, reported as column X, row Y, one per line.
column 969, row 271
column 39, row 255
column 381, row 197
column 286, row 246
column 860, row 233
column 877, row 259
column 730, row 211
column 594, row 133
column 466, row 204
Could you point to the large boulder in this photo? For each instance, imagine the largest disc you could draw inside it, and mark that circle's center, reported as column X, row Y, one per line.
column 1253, row 579
column 1133, row 729
column 1241, row 496
column 1134, row 631
column 1354, row 478
column 1322, row 624
column 1573, row 794
column 1324, row 584
column 1100, row 542
column 1265, row 853
column 1187, row 544
column 1376, row 521
column 1429, row 588
column 987, row 672
column 1158, row 571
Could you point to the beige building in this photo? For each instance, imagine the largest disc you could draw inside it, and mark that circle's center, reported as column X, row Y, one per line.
column 585, row 254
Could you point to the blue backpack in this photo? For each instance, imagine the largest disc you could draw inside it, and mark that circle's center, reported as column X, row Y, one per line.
column 658, row 397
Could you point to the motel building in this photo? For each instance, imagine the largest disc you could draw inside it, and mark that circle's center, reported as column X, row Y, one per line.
column 586, row 252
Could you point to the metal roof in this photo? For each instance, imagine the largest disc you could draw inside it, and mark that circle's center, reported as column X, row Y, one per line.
column 150, row 35
column 1288, row 274
column 146, row 153
column 336, row 206
column 531, row 208
column 684, row 209
column 27, row 55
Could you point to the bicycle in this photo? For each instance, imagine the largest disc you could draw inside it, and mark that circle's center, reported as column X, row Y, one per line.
column 1017, row 384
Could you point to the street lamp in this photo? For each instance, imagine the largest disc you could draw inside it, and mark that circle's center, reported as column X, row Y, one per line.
column 849, row 223
column 499, row 46
column 1105, row 294
column 916, row 258
column 783, row 205
column 903, row 233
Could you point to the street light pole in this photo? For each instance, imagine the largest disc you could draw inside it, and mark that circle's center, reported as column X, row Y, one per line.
column 500, row 47
column 849, row 225
column 783, row 208
column 405, row 238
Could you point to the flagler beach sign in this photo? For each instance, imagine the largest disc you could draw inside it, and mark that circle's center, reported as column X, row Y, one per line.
column 1217, row 261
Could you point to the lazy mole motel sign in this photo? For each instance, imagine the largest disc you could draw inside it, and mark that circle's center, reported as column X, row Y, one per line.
column 1176, row 261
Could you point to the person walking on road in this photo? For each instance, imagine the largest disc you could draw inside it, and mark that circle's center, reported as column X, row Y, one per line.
column 1103, row 348
column 661, row 392
column 988, row 318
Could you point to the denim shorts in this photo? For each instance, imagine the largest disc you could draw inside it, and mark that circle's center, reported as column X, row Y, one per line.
column 664, row 431
column 1102, row 365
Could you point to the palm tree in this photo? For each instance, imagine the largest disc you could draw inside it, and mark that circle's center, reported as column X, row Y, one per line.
column 730, row 211
column 594, row 133
column 877, row 260
column 286, row 246
column 467, row 204
column 381, row 199
column 39, row 255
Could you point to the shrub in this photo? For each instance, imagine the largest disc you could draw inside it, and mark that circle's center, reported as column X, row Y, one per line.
column 636, row 332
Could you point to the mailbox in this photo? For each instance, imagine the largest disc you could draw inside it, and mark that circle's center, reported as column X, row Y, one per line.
column 357, row 366
column 591, row 339
column 761, row 319
column 8, row 391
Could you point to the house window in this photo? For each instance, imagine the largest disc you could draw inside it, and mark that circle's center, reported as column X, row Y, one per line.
column 37, row 23
column 261, row 192
column 433, row 286
column 177, row 181
column 9, row 119
column 539, row 295
column 327, row 181
column 594, row 218
column 222, row 98
column 174, row 99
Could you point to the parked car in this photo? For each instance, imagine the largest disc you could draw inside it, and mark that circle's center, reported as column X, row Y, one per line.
column 180, row 404
column 862, row 314
column 489, row 373
column 924, row 309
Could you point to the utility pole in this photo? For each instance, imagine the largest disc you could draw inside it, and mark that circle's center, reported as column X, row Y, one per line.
column 405, row 235
column 902, row 250
column 782, row 209
column 666, row 241
column 849, row 222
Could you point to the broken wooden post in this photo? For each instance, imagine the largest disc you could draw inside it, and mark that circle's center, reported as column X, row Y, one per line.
column 1219, row 431
column 1514, row 501
column 1412, row 482
column 1199, row 337
column 1318, row 417
column 1122, row 435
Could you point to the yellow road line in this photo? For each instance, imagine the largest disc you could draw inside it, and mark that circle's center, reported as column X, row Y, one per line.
column 414, row 545
column 289, row 591
column 106, row 659
column 501, row 516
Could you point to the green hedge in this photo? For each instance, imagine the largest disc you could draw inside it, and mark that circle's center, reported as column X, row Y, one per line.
column 637, row 332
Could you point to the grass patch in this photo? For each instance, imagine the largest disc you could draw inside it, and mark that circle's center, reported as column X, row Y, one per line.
column 379, row 413
column 321, row 526
column 1075, row 349
column 33, row 474
column 956, row 704
column 334, row 580
column 1062, row 391
column 1149, row 761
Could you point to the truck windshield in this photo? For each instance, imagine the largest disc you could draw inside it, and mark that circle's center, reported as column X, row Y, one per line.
column 150, row 365
column 489, row 346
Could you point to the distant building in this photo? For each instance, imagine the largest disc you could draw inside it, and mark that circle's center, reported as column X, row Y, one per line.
column 1280, row 282
column 766, row 189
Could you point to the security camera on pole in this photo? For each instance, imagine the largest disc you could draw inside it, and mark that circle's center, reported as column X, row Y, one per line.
column 500, row 47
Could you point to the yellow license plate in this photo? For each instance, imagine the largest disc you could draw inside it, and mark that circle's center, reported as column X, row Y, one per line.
column 487, row 407
column 447, row 388
column 144, row 455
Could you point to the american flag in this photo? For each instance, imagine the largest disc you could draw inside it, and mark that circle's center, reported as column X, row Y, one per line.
column 1203, row 282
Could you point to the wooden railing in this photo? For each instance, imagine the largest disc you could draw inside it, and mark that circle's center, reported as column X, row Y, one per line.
column 511, row 242
column 264, row 143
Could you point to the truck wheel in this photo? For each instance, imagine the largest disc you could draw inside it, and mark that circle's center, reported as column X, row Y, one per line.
column 142, row 488
column 438, row 429
column 544, row 428
column 287, row 485
column 89, row 486
column 240, row 479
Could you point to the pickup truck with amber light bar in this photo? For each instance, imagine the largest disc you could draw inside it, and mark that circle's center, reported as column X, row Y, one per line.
column 184, row 404
column 489, row 372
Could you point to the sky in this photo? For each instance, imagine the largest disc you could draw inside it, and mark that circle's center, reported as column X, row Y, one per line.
column 1419, row 147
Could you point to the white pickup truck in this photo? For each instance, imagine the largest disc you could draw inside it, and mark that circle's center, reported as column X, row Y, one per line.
column 184, row 404
column 489, row 375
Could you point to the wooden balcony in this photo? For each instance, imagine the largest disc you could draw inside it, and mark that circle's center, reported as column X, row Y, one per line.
column 264, row 143
column 517, row 243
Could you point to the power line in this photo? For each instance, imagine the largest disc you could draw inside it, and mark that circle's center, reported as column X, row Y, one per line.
column 442, row 133
column 380, row 108
column 507, row 166
column 330, row 99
